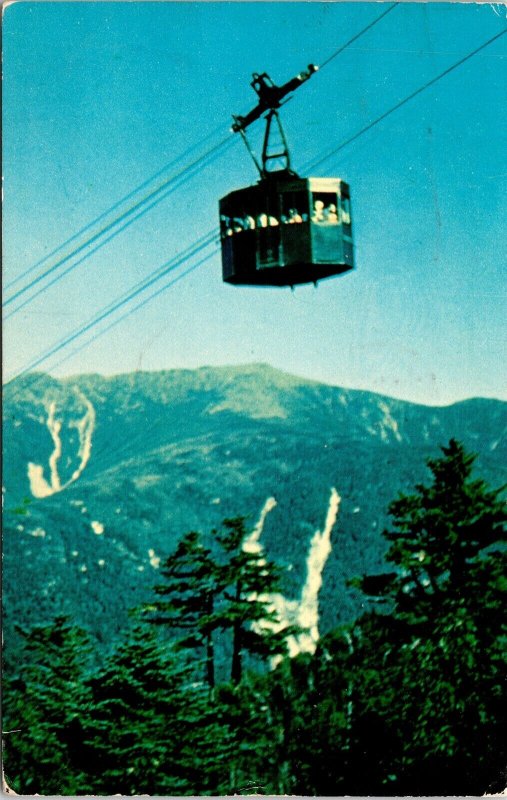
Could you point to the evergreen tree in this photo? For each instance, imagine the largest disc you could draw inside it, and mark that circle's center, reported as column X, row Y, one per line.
column 428, row 688
column 43, row 708
column 202, row 594
column 192, row 582
column 153, row 729
column 448, row 593
column 249, row 577
column 443, row 537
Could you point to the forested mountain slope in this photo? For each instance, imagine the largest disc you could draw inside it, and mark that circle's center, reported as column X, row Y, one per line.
column 103, row 475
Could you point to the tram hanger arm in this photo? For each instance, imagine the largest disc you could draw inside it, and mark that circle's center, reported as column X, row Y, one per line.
column 270, row 95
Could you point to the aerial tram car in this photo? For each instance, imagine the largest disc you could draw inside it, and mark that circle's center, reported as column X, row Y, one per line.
column 284, row 230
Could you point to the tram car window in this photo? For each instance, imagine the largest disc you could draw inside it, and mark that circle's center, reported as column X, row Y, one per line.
column 324, row 207
column 290, row 242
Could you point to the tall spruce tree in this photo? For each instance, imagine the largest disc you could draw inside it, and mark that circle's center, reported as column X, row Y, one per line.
column 192, row 582
column 249, row 578
column 153, row 729
column 443, row 537
column 430, row 704
column 202, row 594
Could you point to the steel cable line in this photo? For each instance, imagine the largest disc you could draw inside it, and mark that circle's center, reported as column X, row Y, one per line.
column 112, row 451
column 112, row 208
column 126, row 446
column 140, row 285
column 130, row 311
column 405, row 100
column 169, row 266
column 152, row 194
column 357, row 36
column 115, row 233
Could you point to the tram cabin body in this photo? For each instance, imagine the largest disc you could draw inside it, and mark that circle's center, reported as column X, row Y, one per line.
column 286, row 231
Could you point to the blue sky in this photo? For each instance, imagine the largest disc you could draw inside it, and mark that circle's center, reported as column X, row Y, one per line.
column 100, row 96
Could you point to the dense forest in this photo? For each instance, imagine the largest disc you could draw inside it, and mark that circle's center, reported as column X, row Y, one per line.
column 407, row 699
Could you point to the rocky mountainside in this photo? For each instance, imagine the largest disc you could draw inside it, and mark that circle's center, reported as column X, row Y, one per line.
column 103, row 475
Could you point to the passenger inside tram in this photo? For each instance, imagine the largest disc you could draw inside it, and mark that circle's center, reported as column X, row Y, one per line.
column 330, row 214
column 325, row 214
column 232, row 225
column 225, row 226
column 318, row 211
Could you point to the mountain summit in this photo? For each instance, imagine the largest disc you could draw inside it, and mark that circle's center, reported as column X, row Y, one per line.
column 103, row 475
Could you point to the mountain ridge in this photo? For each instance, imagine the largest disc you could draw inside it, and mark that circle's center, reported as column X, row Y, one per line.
column 104, row 475
column 233, row 371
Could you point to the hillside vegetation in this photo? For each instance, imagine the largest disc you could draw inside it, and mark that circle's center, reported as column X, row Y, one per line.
column 103, row 476
column 409, row 698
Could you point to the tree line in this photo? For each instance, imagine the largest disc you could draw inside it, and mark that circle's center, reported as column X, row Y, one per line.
column 409, row 699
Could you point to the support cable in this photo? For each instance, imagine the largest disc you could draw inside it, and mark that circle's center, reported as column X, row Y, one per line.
column 405, row 100
column 165, row 269
column 357, row 36
column 116, row 232
column 117, row 204
column 130, row 311
column 131, row 210
column 105, row 447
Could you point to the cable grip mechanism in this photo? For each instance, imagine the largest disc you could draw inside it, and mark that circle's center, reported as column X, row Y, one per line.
column 270, row 99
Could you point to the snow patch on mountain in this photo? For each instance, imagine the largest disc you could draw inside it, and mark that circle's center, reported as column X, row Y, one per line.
column 320, row 548
column 39, row 485
column 85, row 428
column 54, row 426
column 97, row 527
column 251, row 543
column 303, row 612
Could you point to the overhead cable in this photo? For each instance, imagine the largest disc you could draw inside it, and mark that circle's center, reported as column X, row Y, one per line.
column 357, row 36
column 143, row 210
column 131, row 210
column 405, row 100
column 121, row 449
column 166, row 268
column 130, row 311
column 115, row 206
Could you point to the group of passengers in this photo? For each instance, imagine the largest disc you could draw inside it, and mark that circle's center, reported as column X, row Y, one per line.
column 321, row 213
